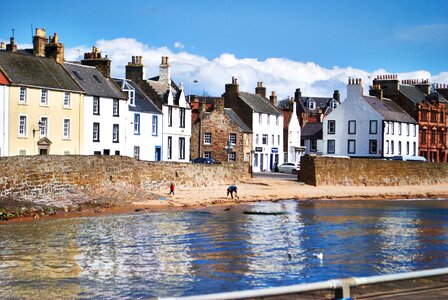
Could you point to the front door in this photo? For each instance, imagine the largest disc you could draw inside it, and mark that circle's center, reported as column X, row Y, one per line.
column 43, row 151
column 158, row 154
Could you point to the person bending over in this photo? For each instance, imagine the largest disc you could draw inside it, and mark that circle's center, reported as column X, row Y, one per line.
column 232, row 189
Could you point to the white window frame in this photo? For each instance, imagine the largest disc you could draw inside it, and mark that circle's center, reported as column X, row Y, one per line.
column 67, row 128
column 44, row 97
column 43, row 129
column 231, row 156
column 182, row 117
column 264, row 139
column 170, row 116
column 96, row 105
column 276, row 120
column 260, row 119
column 96, row 132
column 273, row 140
column 23, row 127
column 207, row 154
column 207, row 138
column 311, row 104
column 115, row 107
column 232, row 138
column 67, row 102
column 115, row 133
column 181, row 148
column 22, row 95
column 268, row 119
column 256, row 139
column 155, row 125
column 137, row 152
column 136, row 124
column 170, row 147
column 331, row 127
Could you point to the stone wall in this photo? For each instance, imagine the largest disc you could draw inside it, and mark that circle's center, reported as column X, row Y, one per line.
column 46, row 175
column 318, row 171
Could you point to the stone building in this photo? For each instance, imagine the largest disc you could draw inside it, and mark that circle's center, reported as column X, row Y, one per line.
column 428, row 108
column 170, row 99
column 264, row 119
column 220, row 134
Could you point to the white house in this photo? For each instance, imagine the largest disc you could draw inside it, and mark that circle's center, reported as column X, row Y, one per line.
column 170, row 99
column 292, row 134
column 4, row 115
column 369, row 126
column 143, row 124
column 265, row 120
column 104, row 111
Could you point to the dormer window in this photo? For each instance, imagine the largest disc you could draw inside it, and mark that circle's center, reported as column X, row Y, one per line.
column 130, row 91
column 312, row 104
column 333, row 104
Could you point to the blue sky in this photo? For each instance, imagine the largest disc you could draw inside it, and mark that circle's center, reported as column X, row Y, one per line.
column 315, row 45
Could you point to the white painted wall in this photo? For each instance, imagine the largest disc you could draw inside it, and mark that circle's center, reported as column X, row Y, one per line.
column 106, row 120
column 4, row 122
column 264, row 159
column 294, row 136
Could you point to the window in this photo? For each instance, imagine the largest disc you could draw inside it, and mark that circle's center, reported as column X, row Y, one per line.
column 22, row 126
column 137, row 152
column 264, row 139
column 115, row 134
column 330, row 146
column 433, row 136
column 415, row 129
column 66, row 128
column 333, row 104
column 181, row 148
column 399, row 147
column 392, row 147
column 137, row 124
column 407, row 129
column 272, row 140
column 259, row 119
column 22, row 96
column 351, row 127
column 331, row 127
column 96, row 105
column 268, row 119
column 96, row 78
column 116, row 108
column 311, row 104
column 415, row 148
column 433, row 117
column 256, row 139
column 232, row 156
column 256, row 160
column 407, row 148
column 386, row 125
column 392, row 127
column 170, row 116
column 207, row 154
column 441, row 117
column 170, row 147
column 424, row 136
column 351, row 147
column 43, row 126
column 276, row 120
column 313, row 145
column 424, row 115
column 155, row 125
column 387, row 147
column 373, row 127
column 207, row 138
column 373, row 146
column 44, row 97
column 67, row 100
column 182, row 117
column 117, row 152
column 232, row 138
column 96, row 132
column 278, row 139
column 399, row 128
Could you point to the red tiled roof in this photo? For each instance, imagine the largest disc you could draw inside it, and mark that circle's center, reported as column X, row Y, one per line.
column 3, row 78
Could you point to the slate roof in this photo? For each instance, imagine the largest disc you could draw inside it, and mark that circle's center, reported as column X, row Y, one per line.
column 389, row 110
column 142, row 102
column 436, row 96
column 259, row 104
column 321, row 103
column 237, row 120
column 412, row 92
column 311, row 131
column 29, row 70
column 161, row 89
column 93, row 81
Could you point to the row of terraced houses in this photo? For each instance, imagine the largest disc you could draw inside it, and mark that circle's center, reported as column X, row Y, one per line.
column 52, row 106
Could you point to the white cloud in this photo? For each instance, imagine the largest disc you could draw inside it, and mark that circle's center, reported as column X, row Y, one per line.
column 179, row 45
column 278, row 74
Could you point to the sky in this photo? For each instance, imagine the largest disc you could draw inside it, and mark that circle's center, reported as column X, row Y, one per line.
column 287, row 44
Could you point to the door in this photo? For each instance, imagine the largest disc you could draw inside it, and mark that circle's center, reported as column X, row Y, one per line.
column 158, row 154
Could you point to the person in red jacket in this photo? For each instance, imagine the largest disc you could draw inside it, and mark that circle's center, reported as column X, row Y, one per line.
column 171, row 188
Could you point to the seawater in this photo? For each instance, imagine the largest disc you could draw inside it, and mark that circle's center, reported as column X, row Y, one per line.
column 193, row 252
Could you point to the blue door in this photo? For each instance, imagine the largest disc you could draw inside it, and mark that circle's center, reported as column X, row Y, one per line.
column 158, row 154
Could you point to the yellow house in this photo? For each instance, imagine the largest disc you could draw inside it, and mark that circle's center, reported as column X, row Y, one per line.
column 41, row 110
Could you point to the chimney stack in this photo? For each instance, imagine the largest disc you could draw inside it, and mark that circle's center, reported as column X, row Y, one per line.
column 260, row 89
column 219, row 104
column 376, row 91
column 164, row 71
column 424, row 86
column 55, row 49
column 39, row 42
column 134, row 69
column 273, row 99
column 297, row 96
column 337, row 96
column 11, row 47
column 94, row 59
column 354, row 88
column 232, row 88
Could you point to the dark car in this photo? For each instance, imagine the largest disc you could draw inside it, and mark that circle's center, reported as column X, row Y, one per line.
column 203, row 160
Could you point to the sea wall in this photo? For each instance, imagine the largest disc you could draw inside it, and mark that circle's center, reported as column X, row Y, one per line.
column 50, row 175
column 318, row 170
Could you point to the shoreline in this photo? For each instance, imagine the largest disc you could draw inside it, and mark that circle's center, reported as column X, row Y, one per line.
column 118, row 200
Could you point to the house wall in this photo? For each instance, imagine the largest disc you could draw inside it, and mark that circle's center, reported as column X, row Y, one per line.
column 55, row 112
column 49, row 175
column 318, row 171
column 4, row 120
column 145, row 139
column 294, row 137
column 106, row 121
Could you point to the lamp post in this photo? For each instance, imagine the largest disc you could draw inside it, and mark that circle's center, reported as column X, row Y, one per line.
column 189, row 89
column 40, row 126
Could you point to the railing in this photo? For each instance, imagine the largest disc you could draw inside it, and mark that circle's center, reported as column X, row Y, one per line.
column 341, row 287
